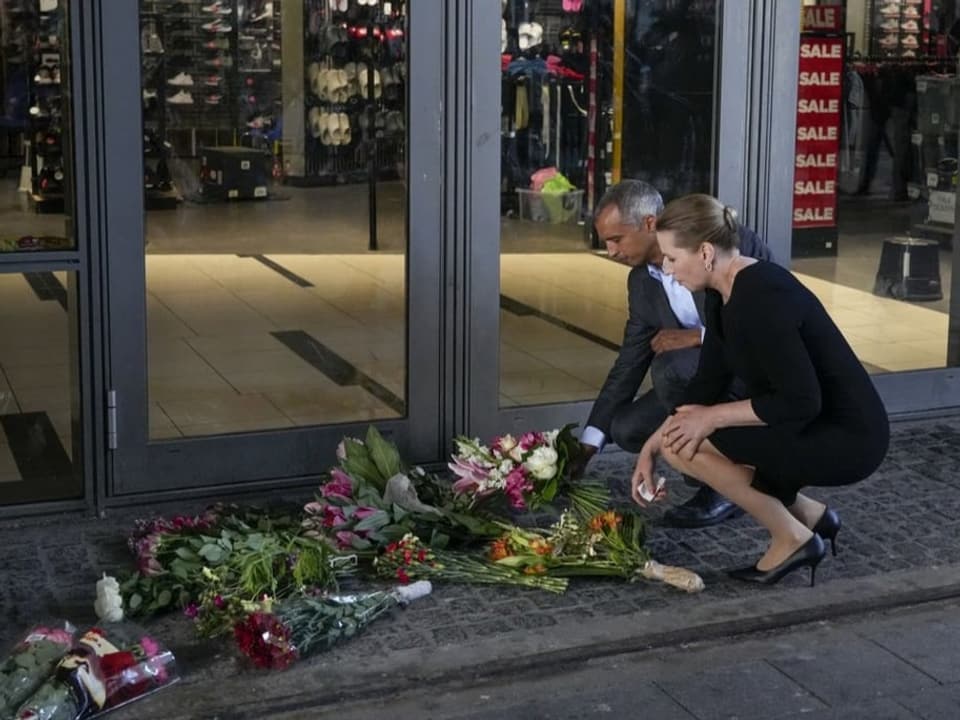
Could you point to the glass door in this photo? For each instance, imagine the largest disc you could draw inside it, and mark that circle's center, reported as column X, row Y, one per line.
column 590, row 94
column 277, row 232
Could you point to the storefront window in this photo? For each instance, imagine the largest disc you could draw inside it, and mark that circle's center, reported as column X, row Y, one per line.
column 649, row 116
column 35, row 138
column 274, row 182
column 876, row 174
column 39, row 405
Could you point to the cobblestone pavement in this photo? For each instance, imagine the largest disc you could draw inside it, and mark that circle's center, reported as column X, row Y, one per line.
column 906, row 517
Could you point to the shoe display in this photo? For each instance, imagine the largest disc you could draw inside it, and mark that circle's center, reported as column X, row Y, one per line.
column 181, row 98
column 181, row 80
column 889, row 41
column 217, row 8
column 890, row 10
column 910, row 26
column 213, row 81
column 807, row 555
column 911, row 12
column 707, row 507
column 910, row 41
column 889, row 25
column 213, row 99
column 215, row 26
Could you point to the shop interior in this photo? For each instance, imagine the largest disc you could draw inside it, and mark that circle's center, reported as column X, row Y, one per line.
column 275, row 199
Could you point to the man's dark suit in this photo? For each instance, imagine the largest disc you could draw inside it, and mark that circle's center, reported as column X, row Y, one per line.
column 650, row 312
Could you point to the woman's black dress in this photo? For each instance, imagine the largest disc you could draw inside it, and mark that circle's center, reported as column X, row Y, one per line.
column 825, row 423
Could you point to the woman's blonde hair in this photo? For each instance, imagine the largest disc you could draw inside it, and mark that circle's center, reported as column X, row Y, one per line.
column 699, row 218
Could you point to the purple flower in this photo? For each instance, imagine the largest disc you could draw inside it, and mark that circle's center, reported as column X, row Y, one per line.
column 191, row 611
column 471, row 473
column 219, row 602
column 517, row 483
column 530, row 440
column 333, row 516
column 345, row 539
column 362, row 513
column 340, row 485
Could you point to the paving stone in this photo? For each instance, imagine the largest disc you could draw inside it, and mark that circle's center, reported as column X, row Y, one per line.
column 746, row 691
column 883, row 709
column 932, row 648
column 825, row 671
column 937, row 703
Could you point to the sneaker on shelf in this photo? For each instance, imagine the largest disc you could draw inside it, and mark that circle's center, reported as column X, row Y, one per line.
column 911, row 12
column 265, row 13
column 910, row 41
column 217, row 8
column 149, row 95
column 911, row 26
column 909, row 54
column 213, row 81
column 890, row 10
column 890, row 25
column 220, row 61
column 213, row 99
column 181, row 98
column 217, row 44
column 215, row 26
column 888, row 41
column 181, row 80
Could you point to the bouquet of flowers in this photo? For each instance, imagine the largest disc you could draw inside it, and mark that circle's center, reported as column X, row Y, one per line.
column 96, row 675
column 252, row 554
column 409, row 559
column 372, row 500
column 526, row 472
column 30, row 663
column 274, row 636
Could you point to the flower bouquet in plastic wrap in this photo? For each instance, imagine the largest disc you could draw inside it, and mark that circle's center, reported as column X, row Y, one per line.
column 276, row 635
column 103, row 670
column 30, row 663
column 523, row 473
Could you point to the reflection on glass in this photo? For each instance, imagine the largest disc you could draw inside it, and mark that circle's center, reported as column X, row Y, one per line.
column 882, row 266
column 563, row 305
column 275, row 277
column 39, row 452
column 35, row 135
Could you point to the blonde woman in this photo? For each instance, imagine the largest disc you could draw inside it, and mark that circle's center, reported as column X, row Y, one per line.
column 812, row 416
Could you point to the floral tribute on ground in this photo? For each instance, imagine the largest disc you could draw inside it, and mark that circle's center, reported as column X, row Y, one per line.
column 286, row 584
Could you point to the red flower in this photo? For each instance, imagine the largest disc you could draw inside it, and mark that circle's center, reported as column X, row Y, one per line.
column 392, row 547
column 266, row 641
column 402, row 576
column 422, row 555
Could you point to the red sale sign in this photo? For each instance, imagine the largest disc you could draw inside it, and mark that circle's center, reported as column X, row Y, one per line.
column 818, row 132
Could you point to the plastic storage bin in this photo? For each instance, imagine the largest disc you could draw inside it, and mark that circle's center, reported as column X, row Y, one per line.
column 550, row 207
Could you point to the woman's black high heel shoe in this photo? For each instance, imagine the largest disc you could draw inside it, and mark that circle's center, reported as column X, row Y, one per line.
column 808, row 555
column 827, row 527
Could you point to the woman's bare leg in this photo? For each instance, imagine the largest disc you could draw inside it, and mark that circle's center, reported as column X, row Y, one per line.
column 807, row 510
column 731, row 480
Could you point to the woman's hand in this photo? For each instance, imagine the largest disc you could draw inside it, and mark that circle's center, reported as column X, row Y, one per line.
column 643, row 473
column 689, row 426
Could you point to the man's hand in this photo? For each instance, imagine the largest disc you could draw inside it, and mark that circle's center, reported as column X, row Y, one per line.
column 579, row 464
column 667, row 340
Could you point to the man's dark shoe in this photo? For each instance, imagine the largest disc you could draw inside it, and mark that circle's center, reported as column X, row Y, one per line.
column 707, row 507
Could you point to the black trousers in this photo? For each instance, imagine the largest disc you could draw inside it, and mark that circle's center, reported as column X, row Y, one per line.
column 670, row 373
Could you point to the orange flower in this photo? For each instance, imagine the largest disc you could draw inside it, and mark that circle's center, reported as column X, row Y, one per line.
column 596, row 523
column 611, row 519
column 498, row 550
column 535, row 570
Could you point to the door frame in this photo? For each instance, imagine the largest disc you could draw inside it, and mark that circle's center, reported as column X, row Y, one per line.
column 139, row 469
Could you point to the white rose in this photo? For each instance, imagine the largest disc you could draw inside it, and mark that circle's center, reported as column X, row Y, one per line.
column 109, row 604
column 542, row 463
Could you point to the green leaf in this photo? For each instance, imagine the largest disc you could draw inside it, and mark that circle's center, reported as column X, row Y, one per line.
column 439, row 540
column 384, row 454
column 375, row 521
column 164, row 598
column 254, row 541
column 360, row 466
column 214, row 554
column 186, row 553
column 136, row 600
column 358, row 543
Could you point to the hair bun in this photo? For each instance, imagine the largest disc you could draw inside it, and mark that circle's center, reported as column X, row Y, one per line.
column 730, row 217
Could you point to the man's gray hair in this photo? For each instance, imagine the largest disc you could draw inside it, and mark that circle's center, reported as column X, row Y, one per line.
column 634, row 199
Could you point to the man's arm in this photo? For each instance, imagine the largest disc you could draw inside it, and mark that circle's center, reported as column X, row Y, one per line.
column 633, row 360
